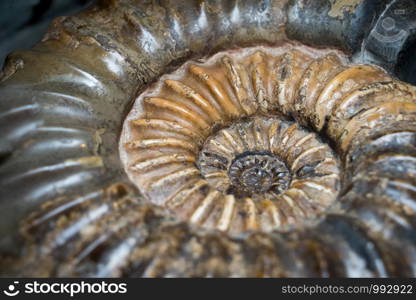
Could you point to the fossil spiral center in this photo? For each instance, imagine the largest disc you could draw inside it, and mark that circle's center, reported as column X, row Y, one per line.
column 258, row 173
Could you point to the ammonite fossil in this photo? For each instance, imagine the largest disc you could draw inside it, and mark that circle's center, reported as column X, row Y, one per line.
column 196, row 138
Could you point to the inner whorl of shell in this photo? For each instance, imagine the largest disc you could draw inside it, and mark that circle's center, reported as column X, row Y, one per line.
column 253, row 159
column 214, row 142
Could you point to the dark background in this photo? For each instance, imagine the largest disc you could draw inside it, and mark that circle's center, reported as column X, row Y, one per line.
column 24, row 22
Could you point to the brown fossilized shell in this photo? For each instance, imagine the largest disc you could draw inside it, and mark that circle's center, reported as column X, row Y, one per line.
column 210, row 141
column 193, row 138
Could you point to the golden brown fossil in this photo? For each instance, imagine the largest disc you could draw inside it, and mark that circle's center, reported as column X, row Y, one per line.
column 263, row 173
column 168, row 139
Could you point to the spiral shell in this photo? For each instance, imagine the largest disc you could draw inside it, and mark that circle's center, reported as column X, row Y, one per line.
column 261, row 174
column 268, row 158
column 230, row 181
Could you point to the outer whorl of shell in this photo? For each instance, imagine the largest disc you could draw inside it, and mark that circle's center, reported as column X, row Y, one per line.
column 203, row 144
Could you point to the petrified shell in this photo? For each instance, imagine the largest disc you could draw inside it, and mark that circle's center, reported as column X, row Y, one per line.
column 263, row 173
column 268, row 158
